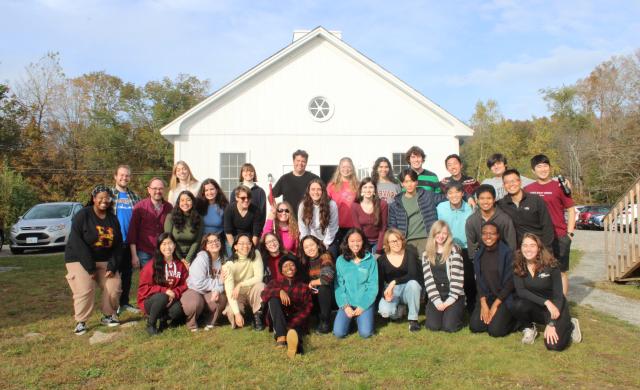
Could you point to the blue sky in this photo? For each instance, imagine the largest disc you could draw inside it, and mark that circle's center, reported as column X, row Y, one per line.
column 455, row 53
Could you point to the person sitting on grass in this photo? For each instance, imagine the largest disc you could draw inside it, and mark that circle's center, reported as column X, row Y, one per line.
column 92, row 256
column 356, row 286
column 400, row 272
column 316, row 262
column 162, row 283
column 538, row 283
column 271, row 250
column 443, row 270
column 206, row 287
column 243, row 283
column 289, row 302
column 493, row 266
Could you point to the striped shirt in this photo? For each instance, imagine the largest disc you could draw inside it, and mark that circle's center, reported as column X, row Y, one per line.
column 455, row 273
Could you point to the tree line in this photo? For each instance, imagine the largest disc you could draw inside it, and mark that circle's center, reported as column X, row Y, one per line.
column 60, row 135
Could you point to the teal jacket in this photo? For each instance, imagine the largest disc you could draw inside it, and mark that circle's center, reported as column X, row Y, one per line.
column 356, row 284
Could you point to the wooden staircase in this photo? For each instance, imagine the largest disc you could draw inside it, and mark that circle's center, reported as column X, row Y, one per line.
column 622, row 239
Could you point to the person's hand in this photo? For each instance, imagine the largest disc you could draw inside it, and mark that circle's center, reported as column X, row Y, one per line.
column 108, row 274
column 441, row 307
column 484, row 312
column 494, row 309
column 215, row 296
column 550, row 334
column 135, row 261
column 348, row 310
column 236, row 292
column 388, row 292
column 272, row 213
column 471, row 201
column 185, row 262
column 553, row 310
column 239, row 320
column 358, row 311
column 171, row 295
column 284, row 298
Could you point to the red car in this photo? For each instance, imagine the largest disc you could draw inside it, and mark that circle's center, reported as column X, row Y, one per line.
column 585, row 220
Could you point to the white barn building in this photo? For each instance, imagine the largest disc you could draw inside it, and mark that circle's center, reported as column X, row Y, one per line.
column 318, row 94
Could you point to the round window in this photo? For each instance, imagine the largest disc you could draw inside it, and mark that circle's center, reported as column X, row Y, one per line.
column 320, row 108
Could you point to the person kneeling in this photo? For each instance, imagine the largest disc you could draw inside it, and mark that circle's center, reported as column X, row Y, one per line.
column 290, row 303
column 538, row 283
column 444, row 280
column 206, row 287
column 162, row 282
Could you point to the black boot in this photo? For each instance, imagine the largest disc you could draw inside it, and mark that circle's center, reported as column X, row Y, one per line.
column 324, row 327
column 258, row 324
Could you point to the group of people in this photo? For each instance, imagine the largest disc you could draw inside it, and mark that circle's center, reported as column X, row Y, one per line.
column 497, row 251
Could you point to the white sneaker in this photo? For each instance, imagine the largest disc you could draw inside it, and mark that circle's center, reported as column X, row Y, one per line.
column 208, row 327
column 576, row 334
column 529, row 335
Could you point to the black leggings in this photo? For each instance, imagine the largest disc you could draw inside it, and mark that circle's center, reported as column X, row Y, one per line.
column 449, row 320
column 279, row 321
column 469, row 281
column 501, row 324
column 156, row 308
column 322, row 302
column 528, row 312
column 126, row 270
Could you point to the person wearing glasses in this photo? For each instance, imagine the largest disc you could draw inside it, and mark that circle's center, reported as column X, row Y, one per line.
column 282, row 222
column 242, row 217
column 205, row 296
column 248, row 178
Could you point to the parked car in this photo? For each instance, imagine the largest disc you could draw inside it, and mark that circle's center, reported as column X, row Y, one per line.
column 584, row 219
column 45, row 225
column 597, row 221
column 578, row 209
column 627, row 219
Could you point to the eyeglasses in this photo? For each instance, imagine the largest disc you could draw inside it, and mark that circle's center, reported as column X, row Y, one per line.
column 156, row 188
column 283, row 211
column 271, row 242
column 394, row 242
column 213, row 242
column 243, row 198
column 243, row 244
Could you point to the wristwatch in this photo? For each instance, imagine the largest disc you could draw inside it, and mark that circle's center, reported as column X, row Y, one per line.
column 570, row 234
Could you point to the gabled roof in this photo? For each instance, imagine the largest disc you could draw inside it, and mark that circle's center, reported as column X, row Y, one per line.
column 457, row 127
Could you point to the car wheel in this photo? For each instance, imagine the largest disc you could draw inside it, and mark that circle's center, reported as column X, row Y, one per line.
column 17, row 251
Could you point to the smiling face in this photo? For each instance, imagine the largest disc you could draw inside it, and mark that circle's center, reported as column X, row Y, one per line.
column 299, row 165
column 310, row 248
column 122, row 177
column 454, row 196
column 542, row 171
column 248, row 174
column 383, row 169
column 102, row 201
column 213, row 244
column 486, row 201
column 395, row 243
column 346, row 170
column 416, row 161
column 355, row 242
column 441, row 236
column 210, row 192
column 490, row 235
column 368, row 191
column 243, row 200
column 511, row 183
column 315, row 192
column 283, row 213
column 498, row 168
column 167, row 246
column 454, row 167
column 529, row 249
column 156, row 190
column 243, row 246
column 289, row 269
column 272, row 244
column 182, row 173
column 185, row 203
column 409, row 185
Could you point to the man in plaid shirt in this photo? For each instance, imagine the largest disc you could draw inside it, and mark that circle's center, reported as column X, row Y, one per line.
column 290, row 305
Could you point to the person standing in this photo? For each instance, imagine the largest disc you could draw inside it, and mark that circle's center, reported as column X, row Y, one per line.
column 293, row 185
column 382, row 176
column 91, row 257
column 318, row 216
column 453, row 163
column 182, row 180
column 147, row 223
column 427, row 180
column 248, row 178
column 124, row 200
column 185, row 225
column 527, row 211
column 557, row 204
column 497, row 162
column 370, row 214
column 342, row 189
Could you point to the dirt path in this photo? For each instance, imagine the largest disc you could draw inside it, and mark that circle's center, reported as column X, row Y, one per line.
column 592, row 269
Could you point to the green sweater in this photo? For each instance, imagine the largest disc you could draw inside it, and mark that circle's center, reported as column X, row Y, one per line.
column 356, row 284
column 187, row 240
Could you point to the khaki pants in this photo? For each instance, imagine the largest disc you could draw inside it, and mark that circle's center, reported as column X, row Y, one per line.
column 83, row 287
column 248, row 296
column 194, row 304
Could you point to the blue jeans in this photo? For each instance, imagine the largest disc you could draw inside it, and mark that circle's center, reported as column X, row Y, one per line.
column 407, row 293
column 364, row 321
column 143, row 257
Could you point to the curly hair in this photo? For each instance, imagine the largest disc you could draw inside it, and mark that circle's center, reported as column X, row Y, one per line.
column 377, row 216
column 202, row 202
column 292, row 223
column 262, row 247
column 544, row 258
column 375, row 176
column 181, row 219
column 323, row 204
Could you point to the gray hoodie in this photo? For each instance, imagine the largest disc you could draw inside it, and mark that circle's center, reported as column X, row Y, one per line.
column 203, row 278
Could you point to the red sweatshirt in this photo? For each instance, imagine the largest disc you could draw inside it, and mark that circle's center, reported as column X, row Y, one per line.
column 176, row 276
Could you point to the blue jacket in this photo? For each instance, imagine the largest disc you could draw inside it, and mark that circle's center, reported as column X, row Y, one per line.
column 505, row 271
column 356, row 284
column 427, row 202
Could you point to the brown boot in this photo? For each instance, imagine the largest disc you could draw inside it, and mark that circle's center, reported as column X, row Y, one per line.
column 292, row 343
column 281, row 342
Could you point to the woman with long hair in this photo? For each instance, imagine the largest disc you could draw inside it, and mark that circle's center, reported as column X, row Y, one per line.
column 92, row 256
column 185, row 225
column 242, row 216
column 401, row 279
column 163, row 280
column 206, row 287
column 181, row 180
column 356, row 286
column 249, row 178
column 243, row 275
column 370, row 214
column 271, row 250
column 211, row 203
column 538, row 283
column 382, row 176
column 342, row 189
column 317, row 269
column 281, row 221
column 443, row 271
column 318, row 216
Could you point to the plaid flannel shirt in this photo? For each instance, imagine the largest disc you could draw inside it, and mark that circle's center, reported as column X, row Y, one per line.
column 298, row 311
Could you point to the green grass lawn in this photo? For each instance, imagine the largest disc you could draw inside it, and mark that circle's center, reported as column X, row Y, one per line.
column 628, row 290
column 37, row 299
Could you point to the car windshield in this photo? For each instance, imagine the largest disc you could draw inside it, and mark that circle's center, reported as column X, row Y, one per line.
column 47, row 211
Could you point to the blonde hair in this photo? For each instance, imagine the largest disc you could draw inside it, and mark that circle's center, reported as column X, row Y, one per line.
column 336, row 179
column 292, row 224
column 173, row 183
column 431, row 251
column 387, row 236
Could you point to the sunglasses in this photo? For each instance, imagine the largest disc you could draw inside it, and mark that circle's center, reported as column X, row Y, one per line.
column 243, row 198
column 283, row 211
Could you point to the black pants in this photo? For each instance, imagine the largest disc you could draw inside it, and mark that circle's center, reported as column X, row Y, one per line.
column 449, row 320
column 469, row 281
column 279, row 321
column 323, row 302
column 126, row 270
column 527, row 312
column 156, row 308
column 501, row 325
